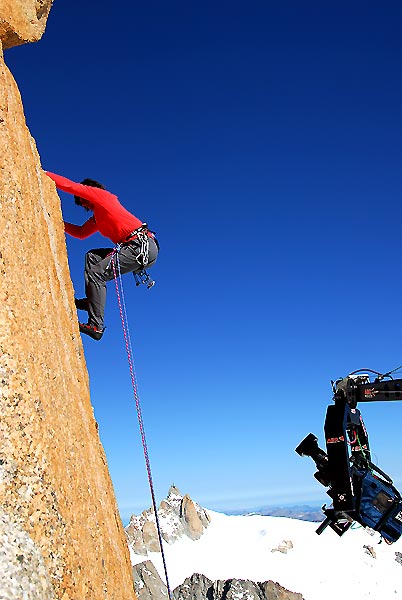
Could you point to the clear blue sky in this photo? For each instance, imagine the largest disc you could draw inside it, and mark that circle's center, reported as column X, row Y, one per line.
column 262, row 141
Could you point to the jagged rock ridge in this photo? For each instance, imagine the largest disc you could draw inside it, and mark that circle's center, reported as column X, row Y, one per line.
column 149, row 586
column 59, row 524
column 199, row 587
column 178, row 516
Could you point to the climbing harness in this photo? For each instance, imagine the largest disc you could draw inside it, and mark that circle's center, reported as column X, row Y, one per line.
column 142, row 235
column 129, row 350
column 142, row 258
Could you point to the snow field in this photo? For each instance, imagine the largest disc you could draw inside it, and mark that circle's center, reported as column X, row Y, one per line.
column 243, row 547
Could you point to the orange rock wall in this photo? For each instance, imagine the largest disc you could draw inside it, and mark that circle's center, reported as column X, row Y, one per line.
column 54, row 480
column 22, row 20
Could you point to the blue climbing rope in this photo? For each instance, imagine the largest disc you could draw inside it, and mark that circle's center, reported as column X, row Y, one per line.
column 127, row 339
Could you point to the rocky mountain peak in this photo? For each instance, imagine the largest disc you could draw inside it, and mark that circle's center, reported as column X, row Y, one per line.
column 178, row 516
column 174, row 492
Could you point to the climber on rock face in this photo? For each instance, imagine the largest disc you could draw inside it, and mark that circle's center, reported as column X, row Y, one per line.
column 135, row 249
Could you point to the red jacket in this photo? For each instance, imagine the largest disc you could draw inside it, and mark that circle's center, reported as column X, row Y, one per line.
column 110, row 218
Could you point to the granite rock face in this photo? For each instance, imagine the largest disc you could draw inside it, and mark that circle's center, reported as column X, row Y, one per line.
column 178, row 516
column 64, row 536
column 23, row 573
column 147, row 582
column 199, row 587
column 22, row 21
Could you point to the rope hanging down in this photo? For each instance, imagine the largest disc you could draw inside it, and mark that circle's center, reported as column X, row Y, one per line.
column 129, row 350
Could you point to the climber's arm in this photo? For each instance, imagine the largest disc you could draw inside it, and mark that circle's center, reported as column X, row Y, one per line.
column 95, row 195
column 81, row 231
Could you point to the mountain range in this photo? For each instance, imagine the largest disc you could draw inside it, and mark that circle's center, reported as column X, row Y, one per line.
column 302, row 512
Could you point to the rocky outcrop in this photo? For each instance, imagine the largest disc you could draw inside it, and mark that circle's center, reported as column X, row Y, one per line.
column 194, row 519
column 60, row 530
column 199, row 587
column 22, row 21
column 283, row 547
column 148, row 585
column 178, row 516
column 370, row 551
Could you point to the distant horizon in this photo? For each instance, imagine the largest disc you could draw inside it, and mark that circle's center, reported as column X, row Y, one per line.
column 232, row 508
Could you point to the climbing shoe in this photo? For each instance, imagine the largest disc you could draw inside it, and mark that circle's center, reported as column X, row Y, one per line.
column 91, row 330
column 81, row 303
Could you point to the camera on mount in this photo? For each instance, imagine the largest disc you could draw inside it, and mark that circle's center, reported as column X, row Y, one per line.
column 309, row 447
column 359, row 490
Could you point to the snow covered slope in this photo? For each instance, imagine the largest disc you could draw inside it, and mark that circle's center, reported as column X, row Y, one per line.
column 289, row 552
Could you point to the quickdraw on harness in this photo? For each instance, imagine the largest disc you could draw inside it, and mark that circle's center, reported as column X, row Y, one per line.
column 143, row 277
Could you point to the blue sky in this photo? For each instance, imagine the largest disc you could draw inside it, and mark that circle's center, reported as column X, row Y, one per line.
column 262, row 141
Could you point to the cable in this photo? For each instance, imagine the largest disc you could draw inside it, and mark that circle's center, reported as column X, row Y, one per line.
column 362, row 450
column 365, row 371
column 380, row 375
column 393, row 371
column 127, row 339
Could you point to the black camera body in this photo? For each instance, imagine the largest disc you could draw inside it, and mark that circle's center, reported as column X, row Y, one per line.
column 359, row 490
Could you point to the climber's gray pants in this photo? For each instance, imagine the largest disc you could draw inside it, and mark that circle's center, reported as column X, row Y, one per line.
column 99, row 270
